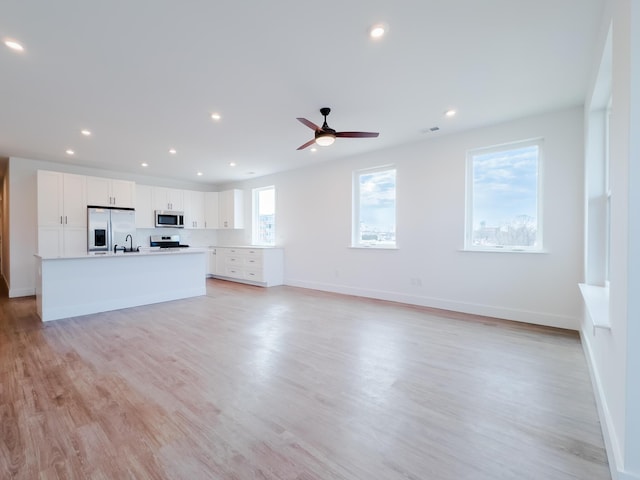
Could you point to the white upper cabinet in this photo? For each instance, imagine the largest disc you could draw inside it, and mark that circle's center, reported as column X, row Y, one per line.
column 62, row 214
column 61, row 199
column 145, row 216
column 193, row 209
column 50, row 198
column 231, row 209
column 107, row 192
column 168, row 199
column 124, row 193
column 211, row 214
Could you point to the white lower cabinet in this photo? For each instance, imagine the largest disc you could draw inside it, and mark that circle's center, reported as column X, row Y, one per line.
column 256, row 265
column 211, row 262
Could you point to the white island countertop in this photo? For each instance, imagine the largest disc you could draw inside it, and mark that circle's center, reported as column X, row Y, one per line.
column 88, row 283
column 143, row 251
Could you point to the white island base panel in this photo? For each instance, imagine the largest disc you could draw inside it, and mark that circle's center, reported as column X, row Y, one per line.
column 69, row 287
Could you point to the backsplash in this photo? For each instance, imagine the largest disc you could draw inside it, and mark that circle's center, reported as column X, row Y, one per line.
column 193, row 238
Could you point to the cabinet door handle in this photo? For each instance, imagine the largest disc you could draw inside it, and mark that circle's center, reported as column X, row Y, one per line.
column 65, row 220
column 60, row 219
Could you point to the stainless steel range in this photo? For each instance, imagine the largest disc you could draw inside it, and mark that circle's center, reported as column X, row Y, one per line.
column 166, row 241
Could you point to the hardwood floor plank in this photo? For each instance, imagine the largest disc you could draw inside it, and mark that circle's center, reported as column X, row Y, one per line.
column 288, row 383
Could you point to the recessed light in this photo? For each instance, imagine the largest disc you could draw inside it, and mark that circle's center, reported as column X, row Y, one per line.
column 199, row 174
column 172, row 151
column 377, row 31
column 232, row 164
column 86, row 132
column 450, row 113
column 216, row 116
column 314, row 149
column 13, row 45
column 144, row 164
column 69, row 152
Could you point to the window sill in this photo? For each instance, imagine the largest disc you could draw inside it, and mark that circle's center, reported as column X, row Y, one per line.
column 372, row 247
column 502, row 250
column 596, row 300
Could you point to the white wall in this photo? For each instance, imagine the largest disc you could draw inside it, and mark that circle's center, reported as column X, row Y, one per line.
column 22, row 229
column 313, row 224
column 613, row 354
column 6, row 261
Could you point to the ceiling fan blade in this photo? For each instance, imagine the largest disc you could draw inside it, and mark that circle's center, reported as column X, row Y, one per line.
column 310, row 142
column 357, row 134
column 308, row 123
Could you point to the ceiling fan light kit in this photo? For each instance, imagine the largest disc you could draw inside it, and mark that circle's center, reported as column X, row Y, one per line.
column 325, row 140
column 325, row 135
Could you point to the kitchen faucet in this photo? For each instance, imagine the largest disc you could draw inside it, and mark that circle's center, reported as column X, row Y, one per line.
column 130, row 241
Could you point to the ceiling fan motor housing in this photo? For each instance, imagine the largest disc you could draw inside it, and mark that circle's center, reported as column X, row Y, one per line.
column 325, row 131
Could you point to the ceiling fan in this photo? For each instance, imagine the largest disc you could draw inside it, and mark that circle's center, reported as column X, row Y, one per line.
column 326, row 135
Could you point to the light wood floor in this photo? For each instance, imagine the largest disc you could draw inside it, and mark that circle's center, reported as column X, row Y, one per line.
column 287, row 383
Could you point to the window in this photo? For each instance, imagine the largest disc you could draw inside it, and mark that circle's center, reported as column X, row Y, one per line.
column 264, row 215
column 503, row 198
column 374, row 208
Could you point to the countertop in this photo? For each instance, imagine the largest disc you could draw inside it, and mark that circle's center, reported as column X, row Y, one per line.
column 143, row 252
column 263, row 247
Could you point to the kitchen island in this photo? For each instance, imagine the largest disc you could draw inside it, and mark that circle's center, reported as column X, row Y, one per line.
column 85, row 284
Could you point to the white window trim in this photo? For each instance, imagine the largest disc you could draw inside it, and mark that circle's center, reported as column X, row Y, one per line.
column 255, row 195
column 468, row 244
column 355, row 218
column 607, row 191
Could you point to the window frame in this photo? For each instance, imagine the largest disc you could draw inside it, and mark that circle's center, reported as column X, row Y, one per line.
column 607, row 192
column 468, row 234
column 255, row 212
column 356, row 242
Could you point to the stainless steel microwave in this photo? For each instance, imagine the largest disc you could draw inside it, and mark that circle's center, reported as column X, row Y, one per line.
column 169, row 218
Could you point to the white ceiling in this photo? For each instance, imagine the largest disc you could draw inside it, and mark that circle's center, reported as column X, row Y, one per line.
column 145, row 75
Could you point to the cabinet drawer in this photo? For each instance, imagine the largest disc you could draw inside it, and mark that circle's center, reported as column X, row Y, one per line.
column 234, row 260
column 253, row 262
column 234, row 272
column 253, row 274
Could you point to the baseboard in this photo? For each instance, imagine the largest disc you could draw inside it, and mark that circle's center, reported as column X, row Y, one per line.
column 518, row 315
column 21, row 292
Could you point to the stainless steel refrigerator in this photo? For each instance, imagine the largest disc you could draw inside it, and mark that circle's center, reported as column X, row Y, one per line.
column 110, row 227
